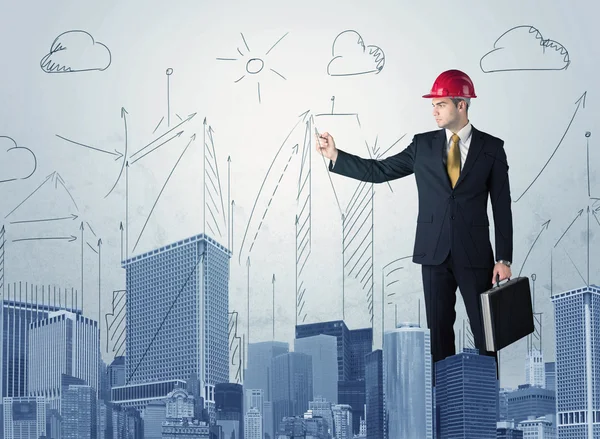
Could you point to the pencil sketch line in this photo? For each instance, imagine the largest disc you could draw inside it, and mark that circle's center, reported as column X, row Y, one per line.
column 579, row 102
column 162, row 189
column 31, row 194
column 276, row 43
column 572, row 222
column 123, row 116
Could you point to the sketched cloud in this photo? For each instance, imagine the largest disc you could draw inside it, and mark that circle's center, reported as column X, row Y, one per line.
column 352, row 57
column 16, row 162
column 76, row 51
column 524, row 48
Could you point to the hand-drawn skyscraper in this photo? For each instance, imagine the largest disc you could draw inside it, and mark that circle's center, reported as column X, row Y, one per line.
column 177, row 315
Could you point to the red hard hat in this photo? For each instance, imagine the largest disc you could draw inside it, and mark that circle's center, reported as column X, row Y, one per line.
column 452, row 84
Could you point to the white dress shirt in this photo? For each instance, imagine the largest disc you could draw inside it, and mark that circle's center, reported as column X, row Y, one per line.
column 463, row 143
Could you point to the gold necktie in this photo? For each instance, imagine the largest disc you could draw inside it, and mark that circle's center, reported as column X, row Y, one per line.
column 453, row 162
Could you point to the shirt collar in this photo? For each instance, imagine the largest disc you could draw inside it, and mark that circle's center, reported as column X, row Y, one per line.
column 464, row 133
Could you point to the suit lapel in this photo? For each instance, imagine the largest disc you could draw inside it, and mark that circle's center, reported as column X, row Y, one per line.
column 474, row 150
column 438, row 144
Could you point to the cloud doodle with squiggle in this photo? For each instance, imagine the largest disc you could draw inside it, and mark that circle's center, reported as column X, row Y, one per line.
column 524, row 48
column 352, row 57
column 16, row 162
column 76, row 51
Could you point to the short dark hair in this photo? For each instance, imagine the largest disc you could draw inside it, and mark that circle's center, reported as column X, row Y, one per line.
column 457, row 100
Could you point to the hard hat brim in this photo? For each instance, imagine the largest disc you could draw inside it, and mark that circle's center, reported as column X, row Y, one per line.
column 430, row 95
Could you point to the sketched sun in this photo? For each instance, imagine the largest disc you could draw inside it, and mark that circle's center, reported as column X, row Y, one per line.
column 254, row 65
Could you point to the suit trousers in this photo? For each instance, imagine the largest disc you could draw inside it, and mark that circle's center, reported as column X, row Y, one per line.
column 439, row 285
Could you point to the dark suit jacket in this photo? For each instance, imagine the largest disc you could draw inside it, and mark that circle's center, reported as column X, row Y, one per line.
column 449, row 220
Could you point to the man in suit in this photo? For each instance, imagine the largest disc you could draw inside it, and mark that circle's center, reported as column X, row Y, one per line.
column 456, row 167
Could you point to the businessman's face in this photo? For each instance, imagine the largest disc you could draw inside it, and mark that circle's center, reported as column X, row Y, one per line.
column 445, row 112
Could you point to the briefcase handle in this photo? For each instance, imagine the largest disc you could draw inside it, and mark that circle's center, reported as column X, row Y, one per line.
column 498, row 279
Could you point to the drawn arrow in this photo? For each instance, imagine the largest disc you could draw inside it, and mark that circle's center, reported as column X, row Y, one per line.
column 579, row 102
column 82, row 241
column 163, row 188
column 116, row 153
column 293, row 152
column 273, row 282
column 70, row 217
column 127, row 210
column 99, row 280
column 158, row 146
column 301, row 119
column 124, row 117
column 572, row 222
column 229, row 231
column 121, row 229
column 232, row 214
column 69, row 238
column 248, row 283
column 544, row 227
column 190, row 117
column 330, row 180
column 31, row 194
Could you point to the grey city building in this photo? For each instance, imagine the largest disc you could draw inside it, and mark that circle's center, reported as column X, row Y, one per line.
column 550, row 374
column 323, row 351
column 466, row 396
column 291, row 384
column 23, row 304
column 63, row 343
column 528, row 401
column 407, row 382
column 183, row 289
column 374, row 394
column 577, row 327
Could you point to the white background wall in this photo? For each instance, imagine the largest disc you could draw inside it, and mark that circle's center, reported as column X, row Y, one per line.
column 530, row 109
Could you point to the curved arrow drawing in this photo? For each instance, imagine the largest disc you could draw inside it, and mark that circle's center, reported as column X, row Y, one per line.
column 572, row 222
column 579, row 102
column 123, row 113
column 544, row 227
column 277, row 163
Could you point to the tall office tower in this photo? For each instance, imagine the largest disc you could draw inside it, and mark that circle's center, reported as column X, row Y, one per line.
column 323, row 351
column 79, row 416
column 534, row 368
column 407, row 382
column 22, row 304
column 177, row 315
column 374, row 394
column 352, row 346
column 577, row 323
column 229, row 408
column 320, row 407
column 550, row 375
column 63, row 343
column 291, row 383
column 253, row 424
column 466, row 396
column 342, row 419
column 24, row 417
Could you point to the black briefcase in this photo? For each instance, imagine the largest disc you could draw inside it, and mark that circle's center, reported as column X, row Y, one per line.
column 507, row 313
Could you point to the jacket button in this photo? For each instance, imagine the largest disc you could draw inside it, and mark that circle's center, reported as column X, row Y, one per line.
column 452, row 217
